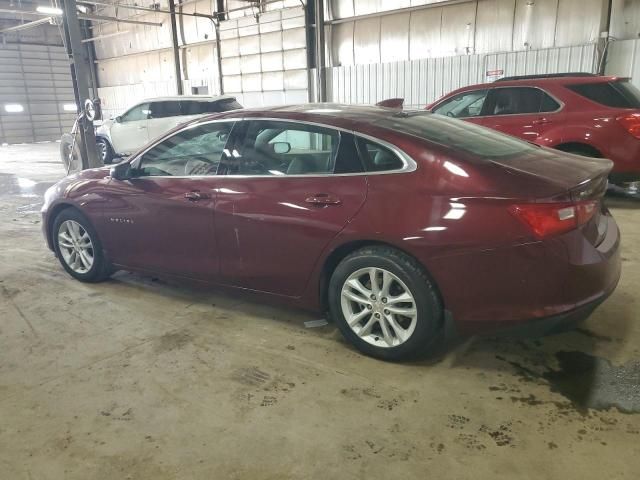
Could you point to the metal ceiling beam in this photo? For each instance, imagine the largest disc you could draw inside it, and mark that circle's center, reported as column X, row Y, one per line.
column 102, row 37
column 148, row 9
column 24, row 26
column 103, row 18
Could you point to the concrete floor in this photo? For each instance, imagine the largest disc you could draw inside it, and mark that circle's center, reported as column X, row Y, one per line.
column 136, row 378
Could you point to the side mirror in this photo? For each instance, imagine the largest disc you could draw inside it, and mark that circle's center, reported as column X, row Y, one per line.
column 121, row 171
column 281, row 147
column 118, row 119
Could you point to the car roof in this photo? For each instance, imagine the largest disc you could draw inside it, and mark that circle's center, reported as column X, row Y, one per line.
column 191, row 98
column 330, row 114
column 559, row 80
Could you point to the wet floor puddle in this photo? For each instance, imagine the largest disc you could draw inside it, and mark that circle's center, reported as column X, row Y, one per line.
column 24, row 187
column 590, row 382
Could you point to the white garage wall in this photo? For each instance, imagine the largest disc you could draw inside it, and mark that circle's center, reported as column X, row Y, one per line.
column 623, row 60
column 38, row 78
column 475, row 26
column 422, row 81
column 263, row 58
column 443, row 44
column 264, row 62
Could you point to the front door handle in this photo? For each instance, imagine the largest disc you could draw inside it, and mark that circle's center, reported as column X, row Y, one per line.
column 195, row 195
column 142, row 127
column 323, row 199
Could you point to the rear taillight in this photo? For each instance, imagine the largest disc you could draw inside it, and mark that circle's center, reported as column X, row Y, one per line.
column 631, row 123
column 547, row 219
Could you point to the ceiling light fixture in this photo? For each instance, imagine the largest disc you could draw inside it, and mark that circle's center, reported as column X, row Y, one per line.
column 49, row 10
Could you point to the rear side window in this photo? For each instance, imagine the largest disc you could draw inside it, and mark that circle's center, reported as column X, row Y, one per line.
column 518, row 100
column 165, row 109
column 377, row 158
column 619, row 94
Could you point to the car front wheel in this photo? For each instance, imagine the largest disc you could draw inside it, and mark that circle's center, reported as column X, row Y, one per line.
column 78, row 247
column 104, row 151
column 384, row 303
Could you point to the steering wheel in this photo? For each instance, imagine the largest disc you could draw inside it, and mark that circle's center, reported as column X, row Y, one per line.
column 199, row 167
column 450, row 114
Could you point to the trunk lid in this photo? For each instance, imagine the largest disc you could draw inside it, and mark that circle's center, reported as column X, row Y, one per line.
column 554, row 176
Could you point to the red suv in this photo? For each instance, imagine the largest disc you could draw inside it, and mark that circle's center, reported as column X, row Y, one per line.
column 585, row 114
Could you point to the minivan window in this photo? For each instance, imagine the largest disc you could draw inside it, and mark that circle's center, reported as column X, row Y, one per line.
column 620, row 94
column 456, row 134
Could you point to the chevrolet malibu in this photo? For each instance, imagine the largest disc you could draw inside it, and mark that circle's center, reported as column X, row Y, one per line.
column 395, row 222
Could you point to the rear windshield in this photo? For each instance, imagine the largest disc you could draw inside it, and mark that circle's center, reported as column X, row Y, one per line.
column 458, row 134
column 620, row 94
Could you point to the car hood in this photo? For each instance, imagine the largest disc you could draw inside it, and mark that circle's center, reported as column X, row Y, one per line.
column 105, row 126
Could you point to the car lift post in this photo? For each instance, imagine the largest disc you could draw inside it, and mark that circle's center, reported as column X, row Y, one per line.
column 80, row 73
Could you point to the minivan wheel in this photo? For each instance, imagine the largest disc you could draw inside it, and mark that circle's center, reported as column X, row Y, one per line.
column 104, row 151
column 78, row 247
column 384, row 303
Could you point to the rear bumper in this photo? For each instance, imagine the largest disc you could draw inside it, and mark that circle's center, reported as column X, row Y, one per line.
column 541, row 285
column 548, row 325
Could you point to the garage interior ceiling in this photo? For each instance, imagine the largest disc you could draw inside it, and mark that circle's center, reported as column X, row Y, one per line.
column 262, row 55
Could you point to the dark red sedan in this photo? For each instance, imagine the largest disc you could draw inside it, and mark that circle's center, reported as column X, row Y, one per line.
column 393, row 221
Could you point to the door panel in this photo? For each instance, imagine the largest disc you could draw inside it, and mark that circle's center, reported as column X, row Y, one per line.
column 280, row 204
column 130, row 132
column 152, row 225
column 270, row 237
column 162, row 218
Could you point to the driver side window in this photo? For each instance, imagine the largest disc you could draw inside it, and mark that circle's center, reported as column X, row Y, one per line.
column 463, row 105
column 139, row 112
column 284, row 148
column 193, row 151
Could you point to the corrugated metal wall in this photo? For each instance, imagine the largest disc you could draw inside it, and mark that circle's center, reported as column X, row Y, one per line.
column 38, row 78
column 263, row 57
column 475, row 26
column 421, row 82
column 624, row 60
column 264, row 60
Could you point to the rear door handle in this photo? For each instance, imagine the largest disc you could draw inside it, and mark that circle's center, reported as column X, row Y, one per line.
column 541, row 121
column 323, row 199
column 195, row 196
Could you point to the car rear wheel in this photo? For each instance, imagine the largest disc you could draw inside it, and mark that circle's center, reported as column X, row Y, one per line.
column 78, row 247
column 104, row 151
column 384, row 303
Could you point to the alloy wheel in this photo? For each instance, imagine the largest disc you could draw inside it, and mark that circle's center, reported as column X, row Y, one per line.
column 379, row 307
column 75, row 246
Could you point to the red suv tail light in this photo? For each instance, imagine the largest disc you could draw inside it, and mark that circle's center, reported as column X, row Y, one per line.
column 547, row 219
column 631, row 123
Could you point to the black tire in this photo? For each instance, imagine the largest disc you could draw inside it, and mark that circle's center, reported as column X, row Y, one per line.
column 100, row 269
column 105, row 152
column 410, row 272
